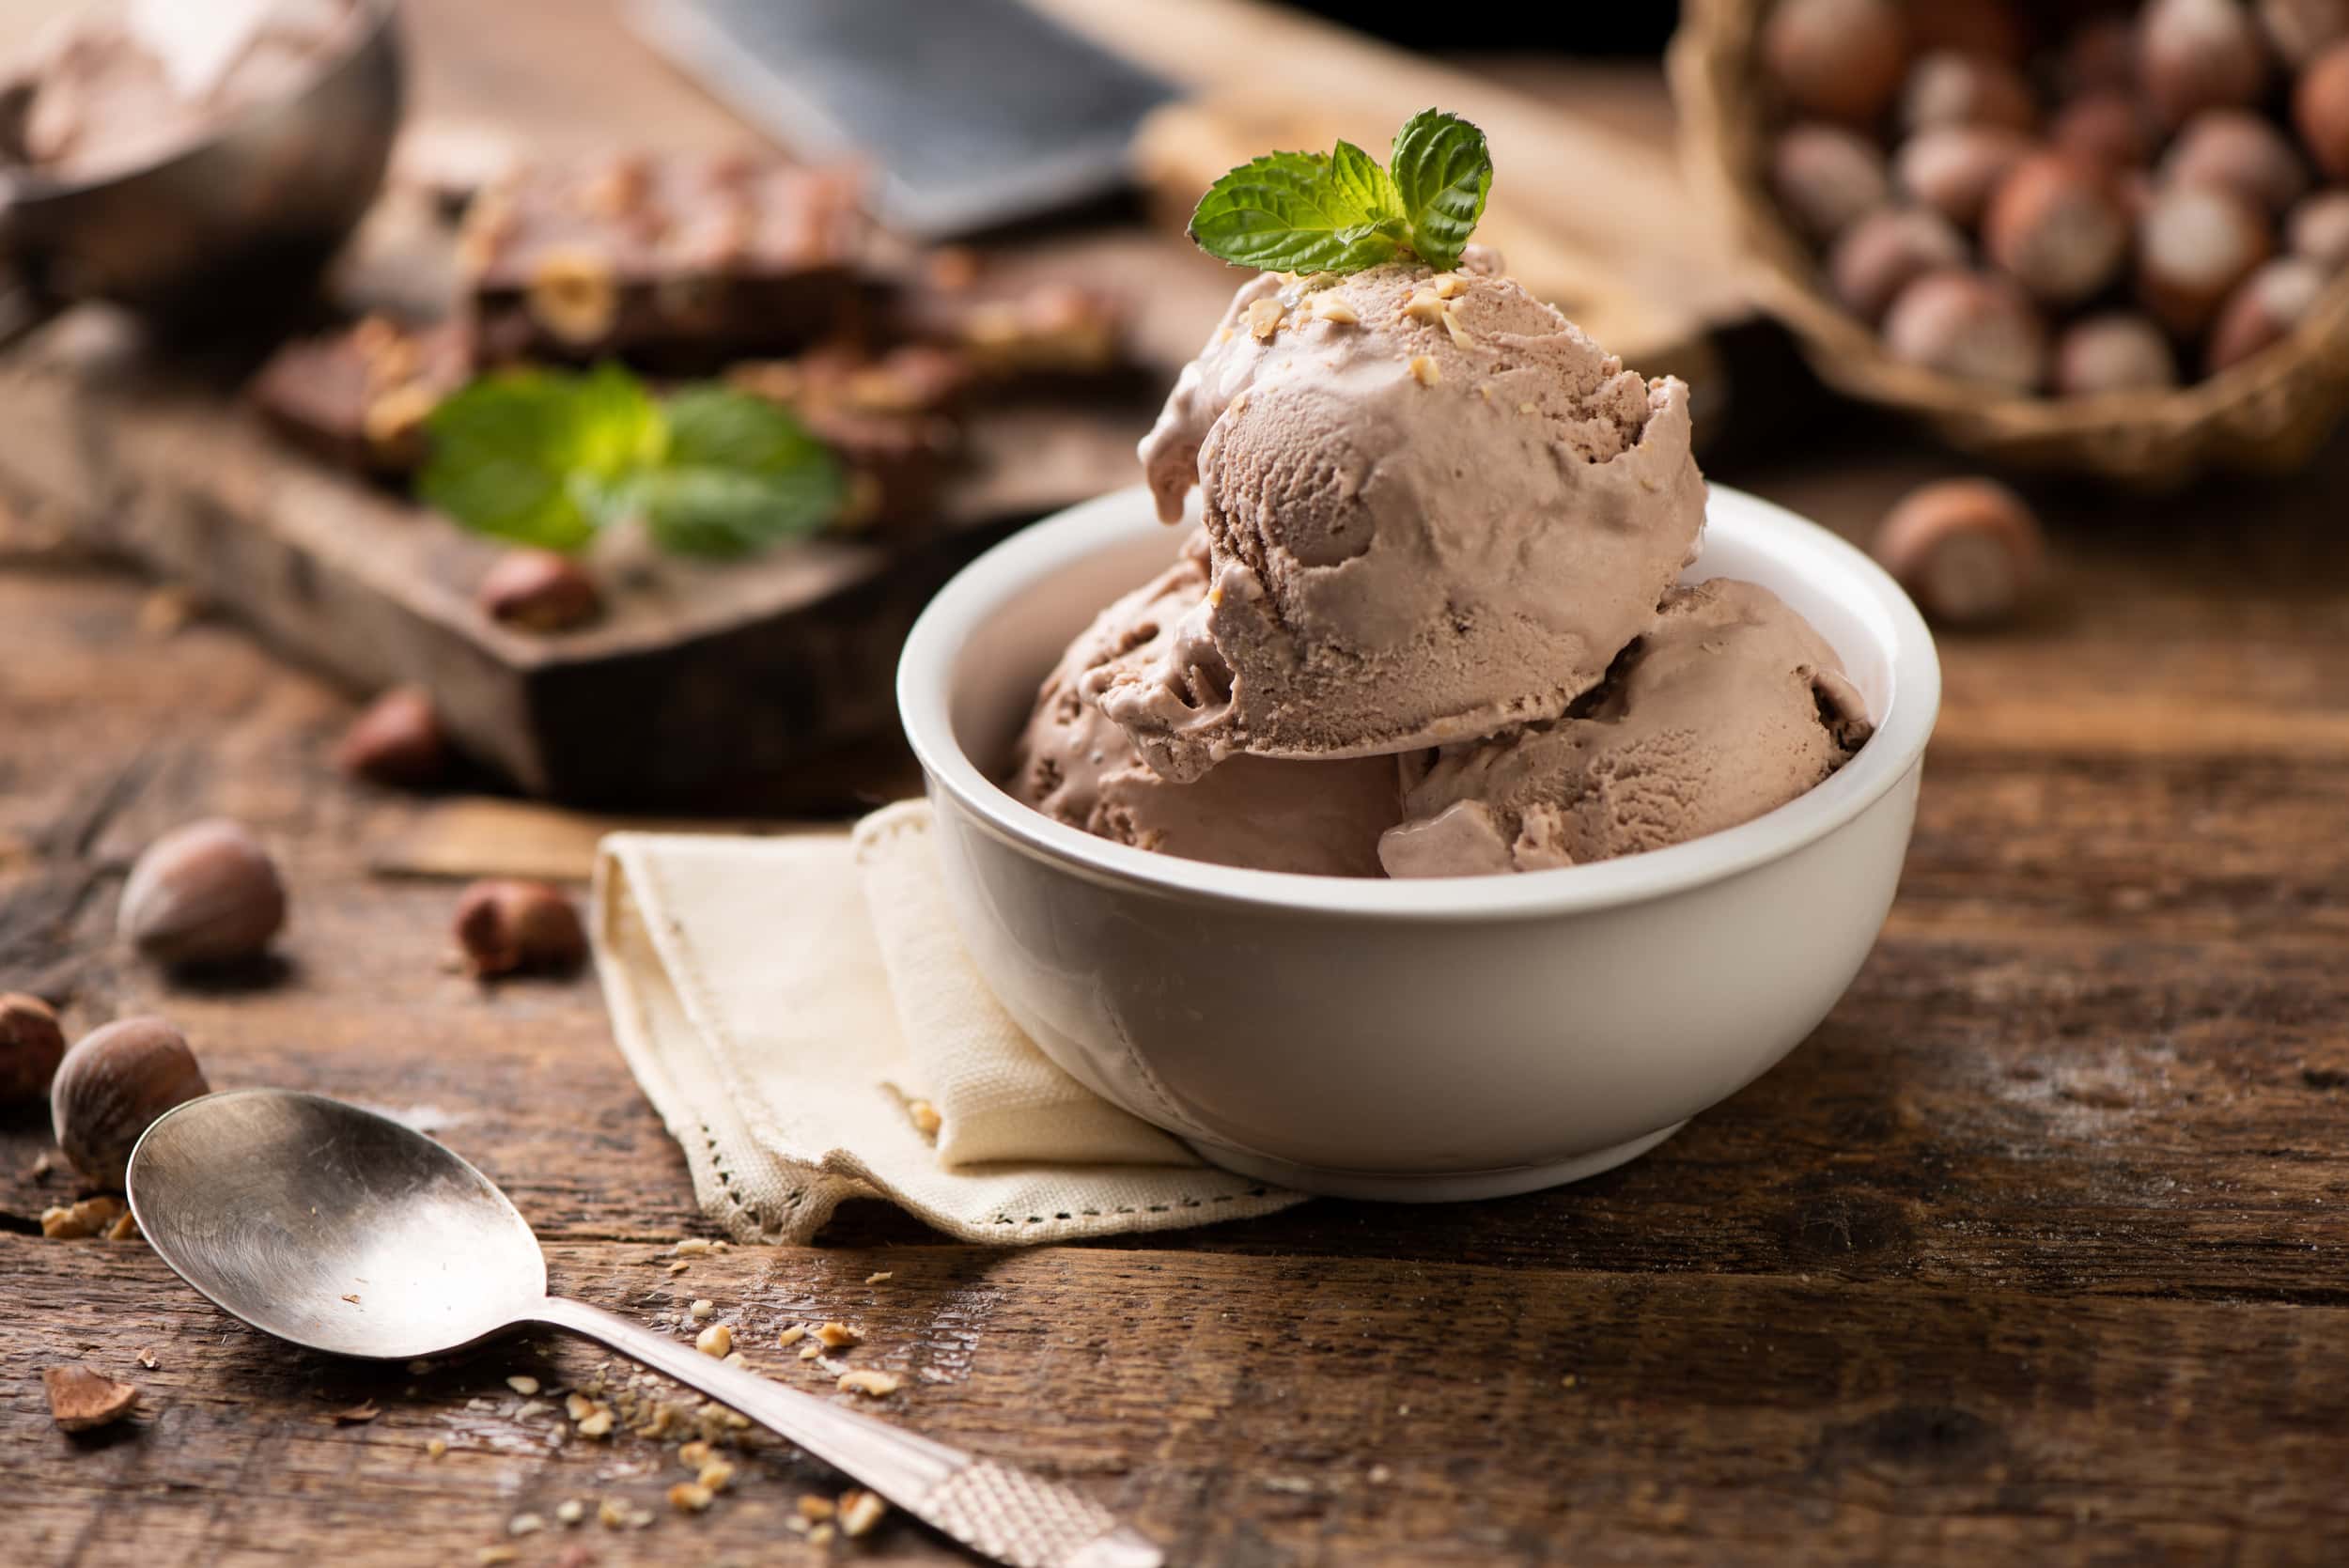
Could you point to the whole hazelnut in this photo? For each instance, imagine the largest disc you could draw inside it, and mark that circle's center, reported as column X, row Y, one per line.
column 2119, row 352
column 1991, row 27
column 2056, row 225
column 507, row 926
column 1840, row 59
column 1973, row 326
column 538, row 591
column 2108, row 127
column 2263, row 310
column 2195, row 243
column 112, row 1084
column 2299, row 30
column 31, row 1045
column 397, row 740
column 205, row 894
column 1828, row 178
column 2319, row 229
column 1954, row 169
column 2196, row 55
column 2240, row 152
column 1885, row 252
column 2099, row 57
column 2320, row 107
column 1968, row 550
column 1947, row 88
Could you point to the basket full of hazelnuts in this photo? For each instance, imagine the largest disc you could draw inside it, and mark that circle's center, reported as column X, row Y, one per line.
column 2091, row 236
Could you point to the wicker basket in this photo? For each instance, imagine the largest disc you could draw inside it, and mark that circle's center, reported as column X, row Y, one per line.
column 2268, row 413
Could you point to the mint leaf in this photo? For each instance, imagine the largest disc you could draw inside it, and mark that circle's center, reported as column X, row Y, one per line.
column 1443, row 174
column 1301, row 212
column 510, row 452
column 740, row 473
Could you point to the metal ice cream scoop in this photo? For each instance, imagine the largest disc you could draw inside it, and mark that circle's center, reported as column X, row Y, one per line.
column 346, row 1232
column 253, row 208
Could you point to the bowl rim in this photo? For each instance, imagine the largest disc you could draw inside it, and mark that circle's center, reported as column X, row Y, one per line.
column 997, row 578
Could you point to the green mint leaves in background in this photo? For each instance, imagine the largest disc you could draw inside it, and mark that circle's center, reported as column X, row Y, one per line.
column 550, row 458
column 1340, row 211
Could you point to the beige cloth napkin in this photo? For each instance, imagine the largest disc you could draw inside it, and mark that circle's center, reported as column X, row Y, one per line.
column 785, row 1003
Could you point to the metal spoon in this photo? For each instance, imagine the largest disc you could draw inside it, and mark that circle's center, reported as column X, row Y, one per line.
column 345, row 1232
column 243, row 214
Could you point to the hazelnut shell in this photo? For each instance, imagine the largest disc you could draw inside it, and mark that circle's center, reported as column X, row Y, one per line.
column 538, row 591
column 2056, row 226
column 111, row 1086
column 1828, row 178
column 2239, row 152
column 1968, row 550
column 1973, row 326
column 2197, row 55
column 2194, row 245
column 31, row 1045
column 397, row 740
column 1839, row 59
column 2300, row 30
column 1885, row 252
column 2117, row 352
column 204, row 894
column 2319, row 229
column 2263, row 310
column 505, row 926
column 2108, row 127
column 2320, row 109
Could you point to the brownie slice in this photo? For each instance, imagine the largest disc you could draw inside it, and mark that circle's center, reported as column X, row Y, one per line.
column 358, row 397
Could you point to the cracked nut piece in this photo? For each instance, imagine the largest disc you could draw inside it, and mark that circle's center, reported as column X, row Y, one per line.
column 2057, row 227
column 2195, row 243
column 80, row 1400
column 2196, row 55
column 573, row 295
column 1841, row 59
column 538, row 591
column 2320, row 107
column 31, row 1045
column 2119, row 352
column 110, row 1085
column 1828, row 178
column 397, row 740
column 2239, row 152
column 2263, row 311
column 1969, row 325
column 1968, row 550
column 204, row 894
column 1885, row 253
column 505, row 927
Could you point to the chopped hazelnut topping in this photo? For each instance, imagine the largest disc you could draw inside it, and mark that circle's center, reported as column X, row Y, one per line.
column 393, row 415
column 927, row 1120
column 1264, row 318
column 1424, row 370
column 1425, row 307
column 738, row 1359
column 1329, row 307
column 81, row 1400
column 864, row 1380
column 791, row 1334
column 572, row 294
column 146, row 1360
column 715, row 1341
column 524, row 1384
column 835, row 1335
column 860, row 1511
column 690, row 1496
column 1448, row 286
column 1459, row 333
column 1527, row 408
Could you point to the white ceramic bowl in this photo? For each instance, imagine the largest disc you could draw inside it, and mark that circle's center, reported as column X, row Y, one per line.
column 1459, row 1038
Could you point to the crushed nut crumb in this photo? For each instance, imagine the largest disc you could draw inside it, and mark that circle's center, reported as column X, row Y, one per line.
column 1264, row 318
column 810, row 1351
column 1449, row 286
column 146, row 1360
column 436, row 1447
column 690, row 1496
column 490, row 1556
column 597, row 1424
column 85, row 1219
column 814, row 1509
column 679, row 1267
column 927, row 1120
column 1380, row 1475
column 835, row 1335
column 692, row 1247
column 578, row 1406
column 738, row 1359
column 693, row 1455
column 791, row 1334
column 524, row 1384
column 717, row 1475
column 1424, row 370
column 715, row 1341
column 864, row 1380
column 125, row 1228
column 613, row 1512
column 860, row 1511
column 1527, row 408
column 525, row 1524
column 1423, row 306
column 1329, row 307
column 1459, row 333
column 883, row 1278
column 820, row 1536
column 570, row 1511
column 701, row 1309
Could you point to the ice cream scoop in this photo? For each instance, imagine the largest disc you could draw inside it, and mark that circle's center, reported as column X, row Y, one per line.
column 1076, row 766
column 1729, row 707
column 1434, row 508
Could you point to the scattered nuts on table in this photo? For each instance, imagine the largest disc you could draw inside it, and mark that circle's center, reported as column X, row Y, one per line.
column 814, row 1509
column 537, row 590
column 90, row 1216
column 81, row 1401
column 505, row 927
column 690, row 1496
column 110, row 1085
column 716, row 1341
column 1970, row 549
column 836, row 1336
column 791, row 1334
column 860, row 1511
column 864, row 1380
column 204, row 894
column 397, row 740
column 31, row 1045
column 570, row 1511
column 524, row 1384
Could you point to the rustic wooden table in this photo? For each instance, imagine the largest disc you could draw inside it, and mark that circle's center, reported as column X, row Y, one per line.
column 2034, row 1251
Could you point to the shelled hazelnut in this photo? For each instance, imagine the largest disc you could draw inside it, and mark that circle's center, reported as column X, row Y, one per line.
column 1987, row 27
column 2319, row 229
column 1840, row 59
column 2195, row 244
column 2239, row 152
column 2056, row 226
column 1948, row 87
column 205, row 894
column 538, row 591
column 1887, row 250
column 2264, row 309
column 1955, row 168
column 1968, row 550
column 2299, row 30
column 1829, row 178
column 2320, row 107
column 1975, row 326
column 397, row 740
column 31, row 1045
column 112, row 1084
column 2196, row 55
column 2119, row 351
column 2106, row 126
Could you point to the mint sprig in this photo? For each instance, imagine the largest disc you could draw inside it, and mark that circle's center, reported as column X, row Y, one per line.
column 550, row 458
column 1340, row 211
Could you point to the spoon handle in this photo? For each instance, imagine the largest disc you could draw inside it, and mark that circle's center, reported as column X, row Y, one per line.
column 996, row 1510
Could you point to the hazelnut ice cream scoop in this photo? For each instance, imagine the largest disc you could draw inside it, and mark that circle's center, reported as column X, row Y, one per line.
column 1076, row 766
column 1729, row 707
column 1434, row 508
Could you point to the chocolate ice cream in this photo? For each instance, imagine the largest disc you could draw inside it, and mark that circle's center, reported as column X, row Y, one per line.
column 1436, row 509
column 1076, row 766
column 1729, row 707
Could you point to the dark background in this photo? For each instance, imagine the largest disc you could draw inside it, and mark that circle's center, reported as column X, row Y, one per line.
column 1578, row 28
